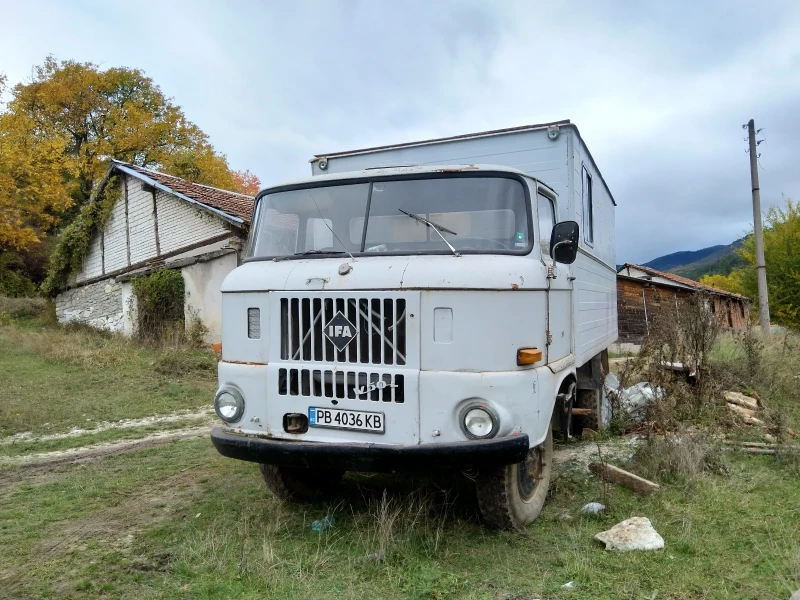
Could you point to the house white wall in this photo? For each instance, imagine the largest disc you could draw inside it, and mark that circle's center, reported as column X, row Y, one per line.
column 180, row 224
column 203, row 297
column 136, row 233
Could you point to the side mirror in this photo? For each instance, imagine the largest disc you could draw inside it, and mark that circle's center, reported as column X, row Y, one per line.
column 564, row 242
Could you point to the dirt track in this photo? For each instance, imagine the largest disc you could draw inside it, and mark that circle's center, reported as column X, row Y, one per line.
column 33, row 466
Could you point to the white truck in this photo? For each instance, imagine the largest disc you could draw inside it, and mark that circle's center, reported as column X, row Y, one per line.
column 438, row 304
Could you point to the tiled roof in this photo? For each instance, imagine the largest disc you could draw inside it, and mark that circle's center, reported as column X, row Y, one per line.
column 681, row 280
column 232, row 203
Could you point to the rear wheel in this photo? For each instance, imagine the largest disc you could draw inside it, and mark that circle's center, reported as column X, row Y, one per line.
column 300, row 485
column 512, row 496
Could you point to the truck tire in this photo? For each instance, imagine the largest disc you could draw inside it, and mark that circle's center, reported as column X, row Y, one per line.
column 512, row 496
column 300, row 485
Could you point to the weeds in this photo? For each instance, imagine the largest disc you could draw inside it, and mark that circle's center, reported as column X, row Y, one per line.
column 24, row 308
column 397, row 523
column 682, row 459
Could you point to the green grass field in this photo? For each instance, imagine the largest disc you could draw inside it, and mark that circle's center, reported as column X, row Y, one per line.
column 179, row 521
column 182, row 522
column 54, row 379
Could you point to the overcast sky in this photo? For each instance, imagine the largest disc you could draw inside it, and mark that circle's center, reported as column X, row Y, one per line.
column 659, row 90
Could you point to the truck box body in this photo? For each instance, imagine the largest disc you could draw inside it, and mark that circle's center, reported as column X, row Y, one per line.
column 555, row 154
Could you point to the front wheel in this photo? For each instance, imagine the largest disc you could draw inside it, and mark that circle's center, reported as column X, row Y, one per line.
column 512, row 496
column 300, row 485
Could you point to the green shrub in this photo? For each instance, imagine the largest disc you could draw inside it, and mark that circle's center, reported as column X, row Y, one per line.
column 160, row 303
column 13, row 283
column 24, row 308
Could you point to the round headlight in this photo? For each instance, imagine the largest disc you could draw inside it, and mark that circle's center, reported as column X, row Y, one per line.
column 229, row 405
column 479, row 423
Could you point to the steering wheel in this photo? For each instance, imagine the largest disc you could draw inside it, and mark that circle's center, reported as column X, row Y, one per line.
column 480, row 244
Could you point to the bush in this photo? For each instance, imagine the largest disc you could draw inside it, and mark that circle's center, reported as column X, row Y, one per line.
column 160, row 304
column 13, row 282
column 25, row 308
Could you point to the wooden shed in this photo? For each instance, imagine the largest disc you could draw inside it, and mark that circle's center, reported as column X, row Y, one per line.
column 642, row 291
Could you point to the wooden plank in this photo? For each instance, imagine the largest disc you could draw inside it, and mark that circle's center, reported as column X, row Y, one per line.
column 621, row 477
column 741, row 410
column 741, row 400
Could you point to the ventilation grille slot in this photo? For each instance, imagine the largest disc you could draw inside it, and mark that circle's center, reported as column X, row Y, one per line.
column 380, row 324
column 342, row 385
column 254, row 323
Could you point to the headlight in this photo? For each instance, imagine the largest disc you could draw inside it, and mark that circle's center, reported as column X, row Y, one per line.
column 229, row 405
column 479, row 422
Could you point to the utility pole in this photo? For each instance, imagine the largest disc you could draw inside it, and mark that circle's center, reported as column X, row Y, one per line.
column 761, row 268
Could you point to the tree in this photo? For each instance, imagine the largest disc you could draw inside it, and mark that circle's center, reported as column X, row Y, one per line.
column 33, row 189
column 59, row 130
column 247, row 183
column 729, row 283
column 782, row 259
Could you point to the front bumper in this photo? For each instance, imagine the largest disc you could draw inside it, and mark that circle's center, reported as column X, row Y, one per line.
column 371, row 457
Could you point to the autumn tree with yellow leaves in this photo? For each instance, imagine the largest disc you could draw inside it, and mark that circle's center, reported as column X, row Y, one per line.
column 59, row 130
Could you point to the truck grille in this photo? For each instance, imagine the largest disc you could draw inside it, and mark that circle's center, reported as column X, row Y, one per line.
column 380, row 324
column 351, row 385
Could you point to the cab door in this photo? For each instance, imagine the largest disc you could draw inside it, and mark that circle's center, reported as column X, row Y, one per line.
column 559, row 285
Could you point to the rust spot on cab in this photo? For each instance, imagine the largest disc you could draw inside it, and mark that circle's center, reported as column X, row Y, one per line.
column 514, row 286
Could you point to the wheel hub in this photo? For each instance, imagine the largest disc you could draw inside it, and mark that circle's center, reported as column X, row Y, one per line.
column 529, row 472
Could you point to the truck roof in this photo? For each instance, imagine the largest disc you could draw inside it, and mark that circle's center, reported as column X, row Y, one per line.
column 404, row 170
column 453, row 138
column 468, row 136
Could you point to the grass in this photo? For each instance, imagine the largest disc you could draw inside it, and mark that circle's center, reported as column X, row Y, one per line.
column 182, row 522
column 54, row 378
column 179, row 521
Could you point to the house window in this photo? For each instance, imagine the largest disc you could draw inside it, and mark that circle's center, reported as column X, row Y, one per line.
column 588, row 210
column 547, row 219
column 741, row 308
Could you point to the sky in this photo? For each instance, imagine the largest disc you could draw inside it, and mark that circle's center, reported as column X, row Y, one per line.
column 659, row 90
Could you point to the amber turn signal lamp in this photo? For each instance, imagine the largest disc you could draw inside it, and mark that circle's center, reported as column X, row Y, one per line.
column 528, row 356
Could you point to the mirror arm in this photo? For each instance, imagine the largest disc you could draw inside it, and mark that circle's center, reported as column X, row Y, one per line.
column 553, row 249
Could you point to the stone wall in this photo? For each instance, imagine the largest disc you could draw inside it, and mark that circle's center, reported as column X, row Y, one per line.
column 97, row 304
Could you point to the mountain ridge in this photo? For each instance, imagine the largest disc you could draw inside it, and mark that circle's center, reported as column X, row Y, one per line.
column 694, row 264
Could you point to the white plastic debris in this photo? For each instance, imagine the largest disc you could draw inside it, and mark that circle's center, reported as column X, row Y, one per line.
column 636, row 398
column 569, row 585
column 636, row 533
column 593, row 508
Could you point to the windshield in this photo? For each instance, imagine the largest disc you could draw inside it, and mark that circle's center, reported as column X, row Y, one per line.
column 411, row 216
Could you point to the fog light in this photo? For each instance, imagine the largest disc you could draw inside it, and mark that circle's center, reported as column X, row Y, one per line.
column 478, row 422
column 229, row 405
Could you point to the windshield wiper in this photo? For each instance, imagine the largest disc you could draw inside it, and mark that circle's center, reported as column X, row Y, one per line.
column 431, row 225
column 308, row 252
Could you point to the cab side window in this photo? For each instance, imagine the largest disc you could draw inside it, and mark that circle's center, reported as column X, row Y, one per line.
column 588, row 209
column 547, row 218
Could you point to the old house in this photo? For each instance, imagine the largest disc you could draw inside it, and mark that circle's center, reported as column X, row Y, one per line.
column 642, row 291
column 156, row 221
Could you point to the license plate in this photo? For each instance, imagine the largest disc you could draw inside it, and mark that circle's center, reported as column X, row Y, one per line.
column 336, row 418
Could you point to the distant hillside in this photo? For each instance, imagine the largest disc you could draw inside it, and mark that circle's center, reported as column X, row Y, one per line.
column 714, row 260
column 680, row 259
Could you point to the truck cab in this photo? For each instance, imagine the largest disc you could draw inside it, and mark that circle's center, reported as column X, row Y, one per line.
column 398, row 319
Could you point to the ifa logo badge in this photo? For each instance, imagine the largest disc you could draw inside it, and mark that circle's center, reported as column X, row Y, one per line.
column 340, row 331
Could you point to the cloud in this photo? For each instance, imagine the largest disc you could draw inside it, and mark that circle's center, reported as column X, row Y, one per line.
column 658, row 90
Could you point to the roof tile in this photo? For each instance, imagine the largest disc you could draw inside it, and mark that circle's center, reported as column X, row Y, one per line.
column 233, row 203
